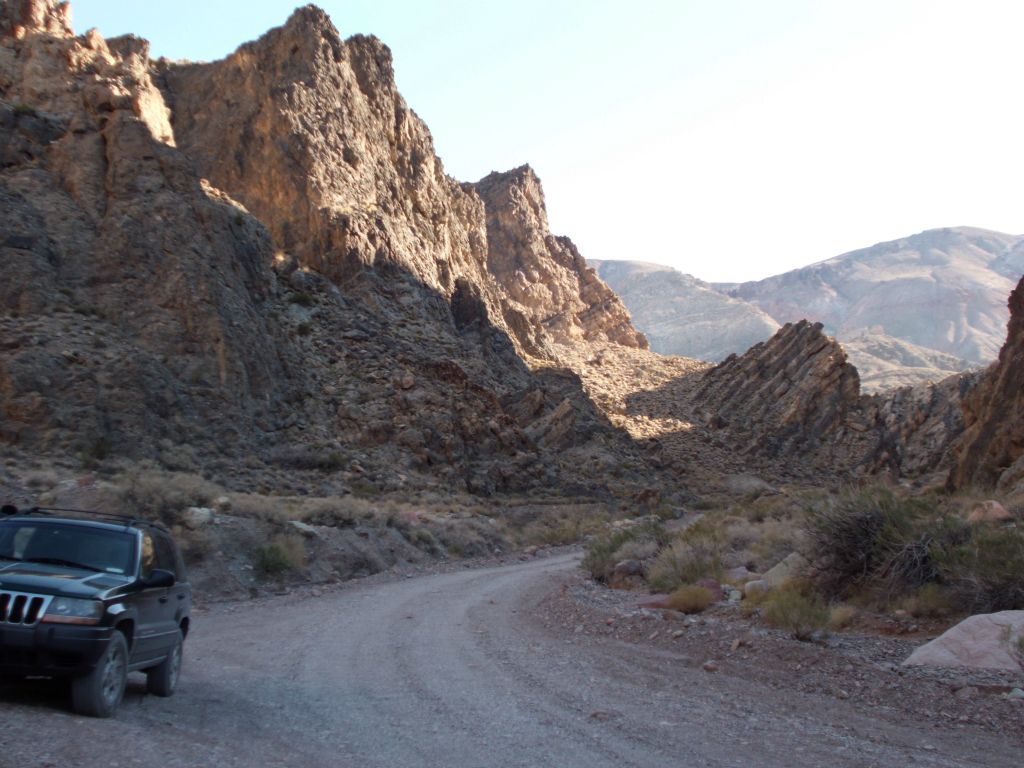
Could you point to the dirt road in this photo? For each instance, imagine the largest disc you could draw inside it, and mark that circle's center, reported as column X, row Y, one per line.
column 453, row 670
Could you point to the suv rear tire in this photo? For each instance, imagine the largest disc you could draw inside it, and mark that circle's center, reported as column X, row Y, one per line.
column 162, row 679
column 99, row 692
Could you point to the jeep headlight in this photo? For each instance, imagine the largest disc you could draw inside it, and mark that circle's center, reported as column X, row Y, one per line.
column 71, row 610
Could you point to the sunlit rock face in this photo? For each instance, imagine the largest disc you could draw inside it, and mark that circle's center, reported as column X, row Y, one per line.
column 991, row 451
column 546, row 281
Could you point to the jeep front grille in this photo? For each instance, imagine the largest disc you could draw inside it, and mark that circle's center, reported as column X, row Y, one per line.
column 22, row 608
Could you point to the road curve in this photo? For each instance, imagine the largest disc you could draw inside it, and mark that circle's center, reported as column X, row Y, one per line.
column 452, row 670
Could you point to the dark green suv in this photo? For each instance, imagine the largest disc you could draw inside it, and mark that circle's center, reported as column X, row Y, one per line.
column 91, row 597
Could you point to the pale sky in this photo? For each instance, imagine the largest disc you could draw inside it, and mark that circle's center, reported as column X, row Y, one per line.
column 731, row 139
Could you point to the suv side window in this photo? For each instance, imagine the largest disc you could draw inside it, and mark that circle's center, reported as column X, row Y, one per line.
column 165, row 558
column 148, row 555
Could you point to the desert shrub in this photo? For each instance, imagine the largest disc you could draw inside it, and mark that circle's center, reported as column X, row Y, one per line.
column 874, row 539
column 156, row 494
column 304, row 328
column 800, row 614
column 280, row 555
column 691, row 598
column 599, row 559
column 841, row 616
column 95, row 452
column 983, row 568
column 931, row 601
column 555, row 530
column 877, row 546
column 640, row 548
column 695, row 555
column 259, row 507
column 301, row 298
column 332, row 512
column 363, row 489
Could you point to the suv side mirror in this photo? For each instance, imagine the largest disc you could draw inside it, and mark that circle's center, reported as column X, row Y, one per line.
column 158, row 578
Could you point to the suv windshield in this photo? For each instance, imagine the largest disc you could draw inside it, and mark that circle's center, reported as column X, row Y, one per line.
column 77, row 546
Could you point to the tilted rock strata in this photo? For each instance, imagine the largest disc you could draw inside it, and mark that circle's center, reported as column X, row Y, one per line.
column 793, row 395
column 547, row 283
column 991, row 451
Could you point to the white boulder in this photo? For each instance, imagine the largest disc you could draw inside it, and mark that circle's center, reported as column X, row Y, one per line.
column 985, row 641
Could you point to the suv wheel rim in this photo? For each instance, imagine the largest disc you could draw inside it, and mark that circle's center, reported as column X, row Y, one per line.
column 113, row 675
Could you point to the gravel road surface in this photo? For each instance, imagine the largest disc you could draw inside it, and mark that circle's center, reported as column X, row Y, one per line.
column 454, row 669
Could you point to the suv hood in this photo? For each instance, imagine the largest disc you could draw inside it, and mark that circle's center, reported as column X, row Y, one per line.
column 58, row 580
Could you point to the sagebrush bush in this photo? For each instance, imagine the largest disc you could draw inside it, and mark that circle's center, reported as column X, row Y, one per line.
column 695, row 555
column 984, row 568
column 873, row 538
column 280, row 555
column 881, row 547
column 690, row 598
column 931, row 601
column 157, row 494
column 800, row 614
column 841, row 616
column 599, row 559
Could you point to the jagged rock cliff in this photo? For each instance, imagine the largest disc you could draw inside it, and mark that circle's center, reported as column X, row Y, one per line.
column 319, row 311
column 134, row 294
column 329, row 155
column 550, row 291
column 991, row 451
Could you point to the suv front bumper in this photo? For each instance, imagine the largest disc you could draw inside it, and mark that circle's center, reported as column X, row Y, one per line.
column 51, row 649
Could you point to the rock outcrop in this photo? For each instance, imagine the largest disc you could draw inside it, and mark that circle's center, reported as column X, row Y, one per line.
column 258, row 266
column 794, row 395
column 991, row 451
column 135, row 296
column 551, row 293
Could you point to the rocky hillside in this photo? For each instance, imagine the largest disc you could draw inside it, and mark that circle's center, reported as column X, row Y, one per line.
column 257, row 270
column 681, row 315
column 259, row 267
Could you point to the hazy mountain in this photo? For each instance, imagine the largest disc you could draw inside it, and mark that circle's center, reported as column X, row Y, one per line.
column 943, row 289
column 681, row 315
column 908, row 311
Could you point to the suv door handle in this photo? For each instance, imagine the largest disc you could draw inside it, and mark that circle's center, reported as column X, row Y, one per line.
column 163, row 599
column 181, row 595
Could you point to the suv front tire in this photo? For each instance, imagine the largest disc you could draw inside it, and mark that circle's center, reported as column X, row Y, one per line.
column 98, row 693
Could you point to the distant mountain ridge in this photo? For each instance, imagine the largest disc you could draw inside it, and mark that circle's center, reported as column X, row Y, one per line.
column 908, row 311
column 943, row 289
column 681, row 315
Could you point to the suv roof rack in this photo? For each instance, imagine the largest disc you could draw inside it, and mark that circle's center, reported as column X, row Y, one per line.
column 9, row 510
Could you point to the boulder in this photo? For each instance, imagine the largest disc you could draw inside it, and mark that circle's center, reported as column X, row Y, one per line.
column 748, row 485
column 988, row 512
column 197, row 517
column 755, row 587
column 984, row 641
column 305, row 529
column 786, row 570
